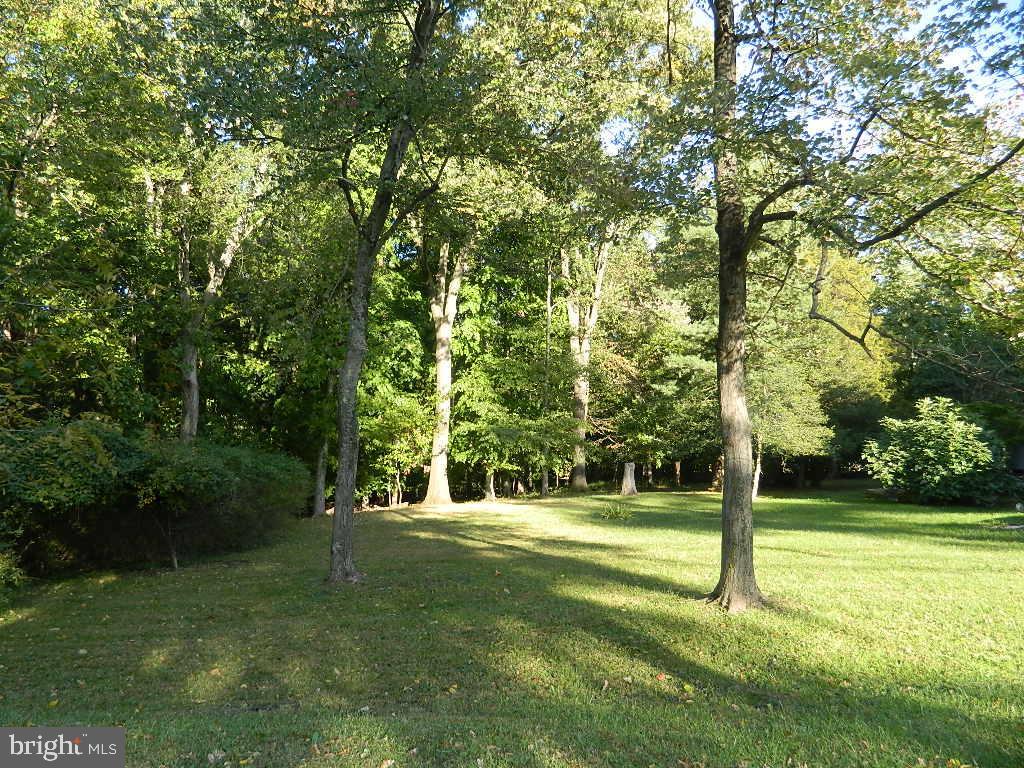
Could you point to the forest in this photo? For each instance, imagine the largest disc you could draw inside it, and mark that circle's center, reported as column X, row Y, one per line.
column 346, row 293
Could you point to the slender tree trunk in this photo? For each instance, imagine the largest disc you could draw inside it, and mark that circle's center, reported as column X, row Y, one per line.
column 548, row 307
column 679, row 474
column 489, row 494
column 371, row 233
column 189, row 387
column 189, row 351
column 319, row 500
column 737, row 587
column 197, row 311
column 443, row 310
column 649, row 474
column 629, row 479
column 756, row 485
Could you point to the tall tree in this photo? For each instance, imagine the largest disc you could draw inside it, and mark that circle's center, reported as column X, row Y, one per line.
column 373, row 232
column 737, row 585
column 444, row 299
column 584, row 271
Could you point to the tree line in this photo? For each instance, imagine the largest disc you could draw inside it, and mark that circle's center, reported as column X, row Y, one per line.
column 446, row 245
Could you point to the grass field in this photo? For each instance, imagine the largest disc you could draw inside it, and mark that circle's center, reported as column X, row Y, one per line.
column 542, row 634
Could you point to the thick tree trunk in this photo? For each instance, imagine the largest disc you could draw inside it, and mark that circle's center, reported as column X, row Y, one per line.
column 443, row 310
column 489, row 494
column 582, row 314
column 717, row 474
column 545, row 488
column 629, row 479
column 319, row 500
column 580, row 410
column 737, row 587
column 371, row 232
column 756, row 485
column 679, row 474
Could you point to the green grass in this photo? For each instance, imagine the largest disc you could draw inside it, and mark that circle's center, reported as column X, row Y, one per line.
column 542, row 634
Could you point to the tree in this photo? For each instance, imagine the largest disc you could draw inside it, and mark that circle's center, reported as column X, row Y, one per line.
column 373, row 233
column 775, row 166
column 584, row 270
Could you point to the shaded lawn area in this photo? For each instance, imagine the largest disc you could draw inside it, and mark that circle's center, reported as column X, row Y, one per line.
column 540, row 634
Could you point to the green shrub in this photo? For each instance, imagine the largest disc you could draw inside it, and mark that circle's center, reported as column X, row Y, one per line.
column 616, row 512
column 940, row 456
column 84, row 494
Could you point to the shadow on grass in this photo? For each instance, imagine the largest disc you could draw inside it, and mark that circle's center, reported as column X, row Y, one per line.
column 473, row 643
column 847, row 512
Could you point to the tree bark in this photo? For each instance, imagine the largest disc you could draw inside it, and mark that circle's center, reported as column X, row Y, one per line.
column 371, row 232
column 443, row 310
column 582, row 316
column 756, row 484
column 679, row 474
column 548, row 306
column 319, row 500
column 489, row 494
column 217, row 270
column 737, row 587
column 629, row 479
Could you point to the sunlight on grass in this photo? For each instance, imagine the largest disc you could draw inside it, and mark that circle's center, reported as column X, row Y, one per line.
column 540, row 634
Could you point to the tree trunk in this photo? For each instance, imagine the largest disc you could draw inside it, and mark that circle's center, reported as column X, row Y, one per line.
column 629, row 479
column 756, row 485
column 717, row 473
column 545, row 488
column 371, row 232
column 679, row 474
column 217, row 269
column 189, row 387
column 443, row 310
column 580, row 409
column 582, row 316
column 319, row 500
column 649, row 475
column 737, row 587
column 489, row 494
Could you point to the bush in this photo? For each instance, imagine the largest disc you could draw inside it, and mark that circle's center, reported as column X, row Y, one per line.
column 84, row 494
column 939, row 457
column 616, row 512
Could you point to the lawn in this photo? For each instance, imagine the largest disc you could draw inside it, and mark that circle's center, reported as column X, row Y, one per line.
column 542, row 634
